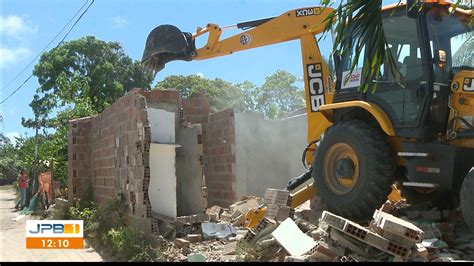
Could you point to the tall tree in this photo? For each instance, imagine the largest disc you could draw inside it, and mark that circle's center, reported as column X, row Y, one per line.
column 87, row 68
column 78, row 78
column 278, row 95
column 222, row 94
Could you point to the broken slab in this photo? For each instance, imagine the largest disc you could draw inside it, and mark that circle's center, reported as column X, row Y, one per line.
column 362, row 234
column 290, row 237
column 211, row 230
column 396, row 229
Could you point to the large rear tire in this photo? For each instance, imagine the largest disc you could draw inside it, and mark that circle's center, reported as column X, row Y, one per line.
column 467, row 199
column 353, row 169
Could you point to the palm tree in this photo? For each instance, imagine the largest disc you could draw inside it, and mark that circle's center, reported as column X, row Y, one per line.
column 365, row 19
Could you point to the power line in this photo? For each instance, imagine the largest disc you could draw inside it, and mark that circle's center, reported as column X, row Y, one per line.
column 62, row 40
column 46, row 47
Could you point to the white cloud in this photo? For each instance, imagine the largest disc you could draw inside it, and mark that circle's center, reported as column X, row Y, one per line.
column 15, row 26
column 12, row 136
column 119, row 22
column 10, row 57
column 201, row 75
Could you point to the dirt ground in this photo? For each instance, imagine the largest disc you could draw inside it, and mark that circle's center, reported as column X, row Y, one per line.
column 13, row 242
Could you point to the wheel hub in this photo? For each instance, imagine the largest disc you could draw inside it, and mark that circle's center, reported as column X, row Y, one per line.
column 345, row 168
column 341, row 168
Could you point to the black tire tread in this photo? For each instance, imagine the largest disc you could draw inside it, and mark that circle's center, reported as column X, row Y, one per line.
column 383, row 170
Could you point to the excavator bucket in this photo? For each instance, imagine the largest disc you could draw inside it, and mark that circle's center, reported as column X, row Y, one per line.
column 167, row 43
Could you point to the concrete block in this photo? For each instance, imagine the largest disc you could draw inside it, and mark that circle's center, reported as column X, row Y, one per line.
column 395, row 228
column 181, row 242
column 348, row 242
column 278, row 212
column 276, row 197
column 295, row 242
column 350, row 228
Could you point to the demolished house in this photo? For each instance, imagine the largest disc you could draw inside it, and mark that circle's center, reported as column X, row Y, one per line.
column 186, row 175
column 172, row 158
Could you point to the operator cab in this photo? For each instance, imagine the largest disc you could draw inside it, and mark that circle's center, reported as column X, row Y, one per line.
column 428, row 50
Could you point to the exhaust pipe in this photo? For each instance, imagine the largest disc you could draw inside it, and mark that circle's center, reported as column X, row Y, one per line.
column 167, row 43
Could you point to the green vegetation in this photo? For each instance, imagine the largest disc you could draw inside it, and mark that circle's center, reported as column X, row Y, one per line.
column 279, row 94
column 105, row 226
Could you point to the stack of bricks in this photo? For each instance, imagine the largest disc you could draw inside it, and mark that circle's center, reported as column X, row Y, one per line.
column 278, row 202
column 219, row 158
column 393, row 245
column 396, row 229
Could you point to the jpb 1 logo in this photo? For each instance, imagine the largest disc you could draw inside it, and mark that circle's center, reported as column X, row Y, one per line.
column 54, row 234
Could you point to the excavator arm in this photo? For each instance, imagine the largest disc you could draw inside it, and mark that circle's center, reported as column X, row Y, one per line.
column 167, row 43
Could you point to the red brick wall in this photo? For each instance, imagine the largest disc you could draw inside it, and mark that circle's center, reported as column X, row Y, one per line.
column 119, row 141
column 117, row 154
column 219, row 158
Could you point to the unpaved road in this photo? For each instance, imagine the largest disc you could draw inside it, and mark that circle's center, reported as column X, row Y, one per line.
column 13, row 242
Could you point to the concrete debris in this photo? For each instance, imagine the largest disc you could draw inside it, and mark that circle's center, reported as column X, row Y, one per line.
column 230, row 248
column 214, row 213
column 194, row 238
column 244, row 206
column 193, row 219
column 280, row 233
column 211, row 230
column 290, row 237
column 295, row 258
column 322, row 253
column 180, row 243
column 447, row 232
column 364, row 235
column 277, row 197
column 434, row 243
column 419, row 253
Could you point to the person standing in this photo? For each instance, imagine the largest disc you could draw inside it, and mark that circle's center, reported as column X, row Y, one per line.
column 22, row 186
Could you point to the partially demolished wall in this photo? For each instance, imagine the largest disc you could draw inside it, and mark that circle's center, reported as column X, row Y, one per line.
column 171, row 158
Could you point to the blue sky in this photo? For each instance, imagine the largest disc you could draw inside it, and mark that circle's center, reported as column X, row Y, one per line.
column 28, row 25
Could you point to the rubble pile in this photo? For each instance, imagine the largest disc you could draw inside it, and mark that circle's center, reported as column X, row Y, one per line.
column 395, row 233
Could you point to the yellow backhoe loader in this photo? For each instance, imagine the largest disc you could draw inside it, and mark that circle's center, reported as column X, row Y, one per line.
column 418, row 133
